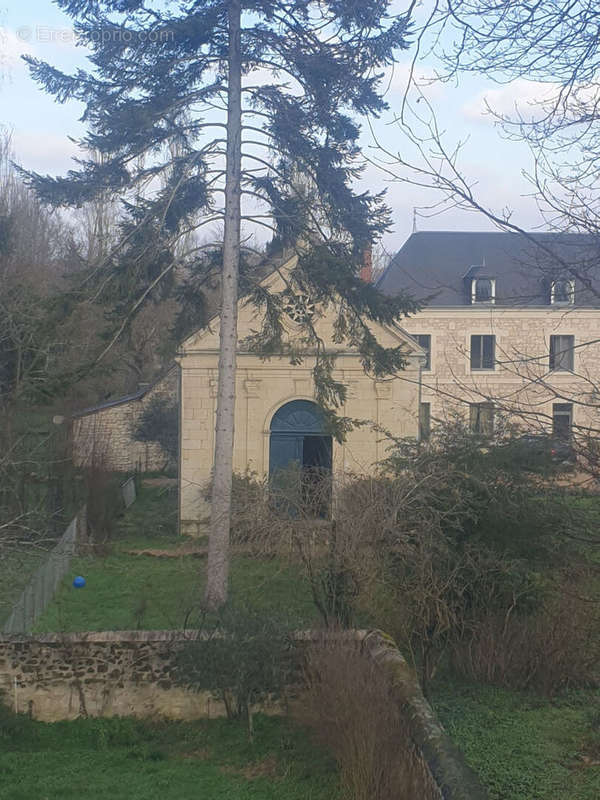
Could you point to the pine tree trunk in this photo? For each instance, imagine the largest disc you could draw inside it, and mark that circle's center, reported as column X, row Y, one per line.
column 218, row 547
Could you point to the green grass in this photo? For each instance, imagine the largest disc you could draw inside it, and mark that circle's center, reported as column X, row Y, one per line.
column 524, row 747
column 129, row 759
column 125, row 592
column 139, row 592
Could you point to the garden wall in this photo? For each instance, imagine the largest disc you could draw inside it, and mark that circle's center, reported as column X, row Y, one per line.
column 64, row 676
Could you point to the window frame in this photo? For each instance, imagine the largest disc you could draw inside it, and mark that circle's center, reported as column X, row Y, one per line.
column 563, row 352
column 417, row 336
column 476, row 428
column 562, row 410
column 571, row 299
column 481, row 337
column 492, row 298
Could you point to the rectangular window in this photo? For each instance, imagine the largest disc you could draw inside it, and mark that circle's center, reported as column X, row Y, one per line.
column 562, row 420
column 561, row 353
column 424, row 421
column 481, row 418
column 483, row 352
column 424, row 339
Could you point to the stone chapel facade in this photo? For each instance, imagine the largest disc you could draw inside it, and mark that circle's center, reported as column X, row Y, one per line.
column 274, row 401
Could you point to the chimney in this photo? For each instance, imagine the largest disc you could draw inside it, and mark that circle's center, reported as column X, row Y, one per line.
column 366, row 272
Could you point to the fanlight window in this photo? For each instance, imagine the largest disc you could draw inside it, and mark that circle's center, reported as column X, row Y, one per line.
column 562, row 292
column 483, row 290
column 299, row 308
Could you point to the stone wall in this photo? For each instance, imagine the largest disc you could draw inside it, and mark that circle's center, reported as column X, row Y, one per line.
column 124, row 673
column 521, row 380
column 446, row 775
column 105, row 433
column 132, row 673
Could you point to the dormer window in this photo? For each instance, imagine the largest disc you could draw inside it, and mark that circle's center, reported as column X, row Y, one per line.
column 483, row 290
column 562, row 293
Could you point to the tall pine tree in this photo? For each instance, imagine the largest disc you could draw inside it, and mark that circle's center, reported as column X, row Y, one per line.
column 208, row 110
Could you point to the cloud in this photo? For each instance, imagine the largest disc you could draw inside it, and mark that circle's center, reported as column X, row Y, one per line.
column 398, row 76
column 13, row 45
column 518, row 98
column 44, row 152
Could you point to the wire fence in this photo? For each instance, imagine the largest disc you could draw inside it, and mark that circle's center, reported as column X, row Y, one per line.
column 41, row 589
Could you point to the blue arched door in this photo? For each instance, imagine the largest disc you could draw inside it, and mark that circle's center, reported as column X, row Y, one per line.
column 299, row 439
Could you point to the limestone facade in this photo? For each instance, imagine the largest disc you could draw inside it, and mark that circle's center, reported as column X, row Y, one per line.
column 521, row 382
column 263, row 387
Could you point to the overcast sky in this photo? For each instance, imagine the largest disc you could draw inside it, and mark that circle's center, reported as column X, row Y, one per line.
column 41, row 127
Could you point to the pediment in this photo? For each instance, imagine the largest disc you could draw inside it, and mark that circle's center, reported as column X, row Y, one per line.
column 250, row 321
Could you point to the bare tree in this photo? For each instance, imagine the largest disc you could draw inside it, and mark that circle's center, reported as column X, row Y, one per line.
column 553, row 45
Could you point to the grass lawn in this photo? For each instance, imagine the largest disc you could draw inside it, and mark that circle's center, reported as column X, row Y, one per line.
column 125, row 591
column 128, row 759
column 524, row 747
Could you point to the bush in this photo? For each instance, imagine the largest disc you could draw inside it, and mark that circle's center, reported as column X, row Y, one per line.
column 245, row 658
column 351, row 706
column 159, row 423
column 443, row 545
column 104, row 504
column 553, row 648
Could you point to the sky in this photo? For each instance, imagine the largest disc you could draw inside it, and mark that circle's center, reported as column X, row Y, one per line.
column 494, row 166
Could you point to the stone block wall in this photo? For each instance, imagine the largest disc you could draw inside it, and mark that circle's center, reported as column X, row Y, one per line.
column 124, row 673
column 105, row 433
column 521, row 381
column 133, row 673
column 262, row 388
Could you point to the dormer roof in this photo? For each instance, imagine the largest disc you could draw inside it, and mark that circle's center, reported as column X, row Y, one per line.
column 435, row 265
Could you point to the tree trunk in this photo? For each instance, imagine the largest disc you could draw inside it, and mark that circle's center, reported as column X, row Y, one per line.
column 218, row 546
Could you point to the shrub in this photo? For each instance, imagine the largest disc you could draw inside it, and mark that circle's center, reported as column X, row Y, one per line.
column 245, row 658
column 555, row 647
column 351, row 706
column 159, row 423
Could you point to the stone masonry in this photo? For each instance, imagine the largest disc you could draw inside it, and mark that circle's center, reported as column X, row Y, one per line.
column 105, row 432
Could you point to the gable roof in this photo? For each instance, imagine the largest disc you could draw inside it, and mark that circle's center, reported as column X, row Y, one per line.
column 440, row 264
column 206, row 339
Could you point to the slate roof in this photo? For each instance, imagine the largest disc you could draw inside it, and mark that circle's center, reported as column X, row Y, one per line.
column 439, row 264
column 126, row 398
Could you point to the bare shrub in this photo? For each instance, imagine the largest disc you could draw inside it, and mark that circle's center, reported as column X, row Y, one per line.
column 350, row 704
column 555, row 647
column 103, row 496
column 439, row 549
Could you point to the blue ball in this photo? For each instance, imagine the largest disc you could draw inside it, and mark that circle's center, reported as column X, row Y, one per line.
column 79, row 582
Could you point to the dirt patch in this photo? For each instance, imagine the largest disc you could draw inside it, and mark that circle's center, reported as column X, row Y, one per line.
column 267, row 768
column 158, row 482
column 197, row 552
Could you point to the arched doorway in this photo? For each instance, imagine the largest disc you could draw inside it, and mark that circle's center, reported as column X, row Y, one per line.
column 300, row 455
